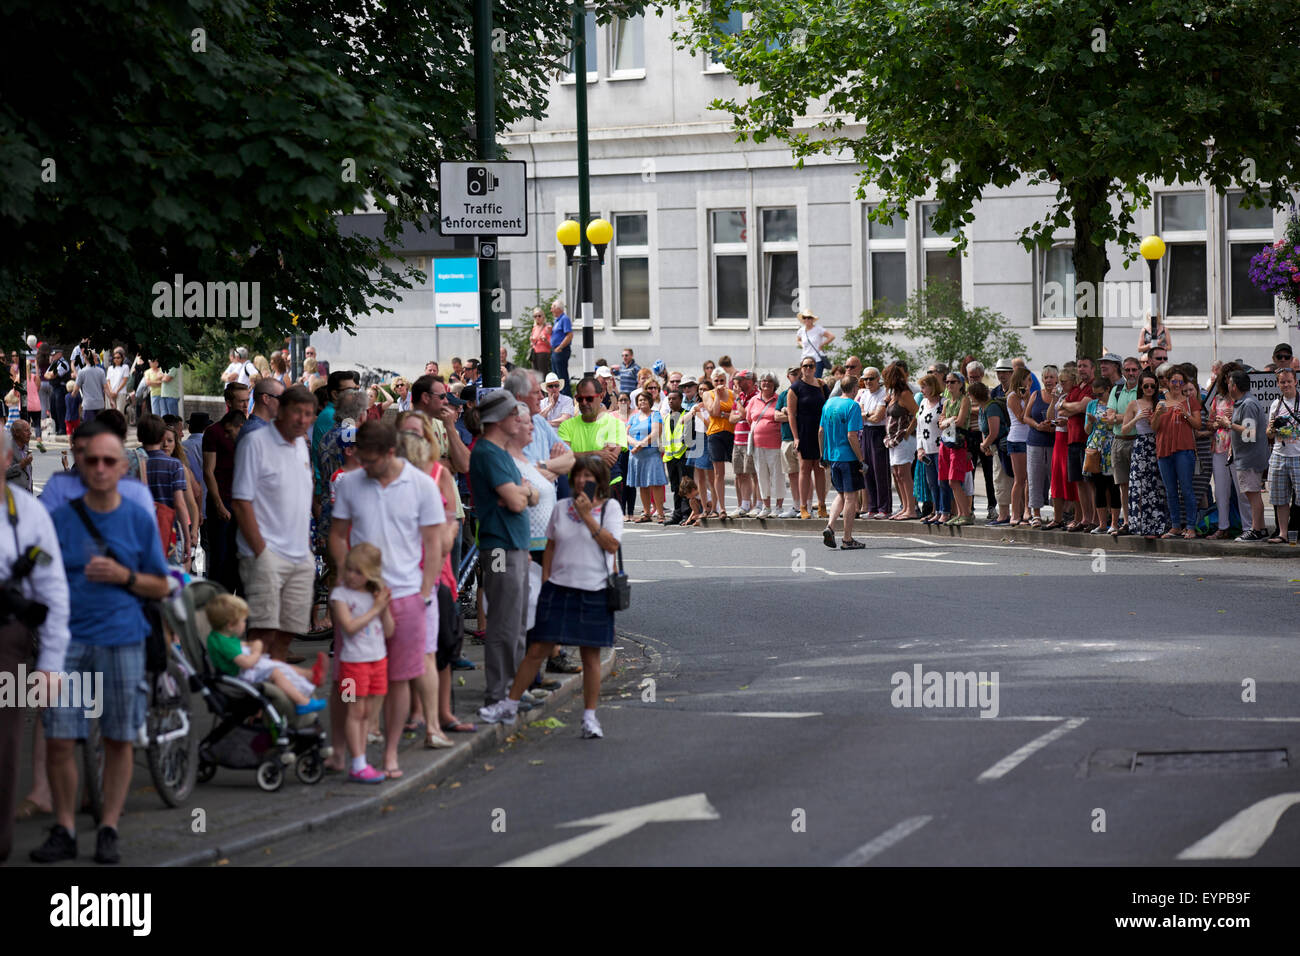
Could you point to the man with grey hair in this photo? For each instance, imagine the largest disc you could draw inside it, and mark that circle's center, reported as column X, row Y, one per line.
column 545, row 450
column 266, row 405
column 873, row 399
column 19, row 472
column 561, row 342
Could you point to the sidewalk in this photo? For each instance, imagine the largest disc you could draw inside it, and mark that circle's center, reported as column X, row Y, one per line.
column 238, row 816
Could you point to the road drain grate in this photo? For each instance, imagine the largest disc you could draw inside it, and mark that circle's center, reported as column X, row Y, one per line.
column 1201, row 761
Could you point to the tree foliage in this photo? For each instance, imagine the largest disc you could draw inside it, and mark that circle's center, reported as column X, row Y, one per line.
column 944, row 328
column 219, row 139
column 951, row 97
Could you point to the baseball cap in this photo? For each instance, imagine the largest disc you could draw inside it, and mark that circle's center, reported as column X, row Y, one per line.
column 495, row 405
column 1111, row 357
column 602, row 372
column 451, row 398
column 1283, row 348
column 744, row 373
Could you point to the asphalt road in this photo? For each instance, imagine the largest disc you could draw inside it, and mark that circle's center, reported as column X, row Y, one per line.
column 774, row 733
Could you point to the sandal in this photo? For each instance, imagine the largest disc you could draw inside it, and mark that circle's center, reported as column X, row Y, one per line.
column 457, row 727
column 393, row 774
column 1071, row 527
column 1276, row 539
column 1036, row 523
column 1054, row 525
column 28, row 809
column 1171, row 533
column 1190, row 534
column 1221, row 534
column 643, row 519
column 434, row 741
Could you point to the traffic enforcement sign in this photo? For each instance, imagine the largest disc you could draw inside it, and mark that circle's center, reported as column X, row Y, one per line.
column 488, row 198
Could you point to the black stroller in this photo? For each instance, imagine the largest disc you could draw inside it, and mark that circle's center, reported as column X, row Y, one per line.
column 255, row 727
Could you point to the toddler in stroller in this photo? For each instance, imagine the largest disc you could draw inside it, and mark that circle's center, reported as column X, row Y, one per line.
column 230, row 654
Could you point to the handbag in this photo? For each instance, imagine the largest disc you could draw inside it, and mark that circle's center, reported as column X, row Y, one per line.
column 618, row 589
column 155, row 644
column 1092, row 460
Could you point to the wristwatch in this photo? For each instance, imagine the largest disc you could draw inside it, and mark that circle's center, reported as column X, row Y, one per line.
column 130, row 581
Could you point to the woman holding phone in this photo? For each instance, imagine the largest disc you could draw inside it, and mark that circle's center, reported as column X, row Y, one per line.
column 584, row 535
column 1177, row 417
column 1147, row 514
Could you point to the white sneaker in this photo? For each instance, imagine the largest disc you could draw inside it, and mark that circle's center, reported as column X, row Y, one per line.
column 591, row 727
column 790, row 512
column 502, row 712
column 742, row 513
column 764, row 512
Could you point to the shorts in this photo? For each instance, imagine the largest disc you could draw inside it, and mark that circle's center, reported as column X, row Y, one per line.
column 1248, row 480
column 279, row 591
column 1283, row 480
column 954, row 463
column 406, row 646
column 846, row 476
column 743, row 460
column 369, row 678
column 1074, row 463
column 721, row 445
column 1016, row 447
column 1121, row 456
column 790, row 456
column 122, row 700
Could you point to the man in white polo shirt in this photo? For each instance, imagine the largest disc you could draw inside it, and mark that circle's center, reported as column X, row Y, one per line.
column 391, row 504
column 271, row 495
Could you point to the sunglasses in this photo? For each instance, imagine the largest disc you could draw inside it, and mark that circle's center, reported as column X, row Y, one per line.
column 1147, row 385
column 94, row 461
column 869, row 378
column 584, row 399
column 553, row 387
column 1175, row 381
column 808, row 366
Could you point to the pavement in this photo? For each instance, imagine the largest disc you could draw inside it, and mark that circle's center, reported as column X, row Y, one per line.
column 231, row 815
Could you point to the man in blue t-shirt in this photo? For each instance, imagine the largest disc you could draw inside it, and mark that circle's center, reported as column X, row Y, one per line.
column 501, row 498
column 111, row 571
column 840, row 439
column 561, row 340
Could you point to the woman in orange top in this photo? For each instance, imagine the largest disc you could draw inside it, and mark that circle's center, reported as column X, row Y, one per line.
column 719, row 404
column 1176, row 418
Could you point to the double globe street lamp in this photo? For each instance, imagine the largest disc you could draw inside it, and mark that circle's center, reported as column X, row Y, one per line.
column 569, row 234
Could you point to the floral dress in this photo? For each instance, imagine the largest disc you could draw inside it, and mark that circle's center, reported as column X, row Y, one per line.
column 1148, row 513
column 1101, row 437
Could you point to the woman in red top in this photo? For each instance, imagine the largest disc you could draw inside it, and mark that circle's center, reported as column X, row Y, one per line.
column 540, row 340
column 1177, row 416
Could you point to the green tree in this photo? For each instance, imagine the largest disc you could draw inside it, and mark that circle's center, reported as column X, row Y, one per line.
column 869, row 340
column 952, row 97
column 219, row 141
column 518, row 339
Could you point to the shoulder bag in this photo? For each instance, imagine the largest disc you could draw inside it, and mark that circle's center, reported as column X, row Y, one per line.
column 618, row 590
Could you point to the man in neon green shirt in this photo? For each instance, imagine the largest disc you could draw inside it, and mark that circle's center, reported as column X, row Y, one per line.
column 593, row 430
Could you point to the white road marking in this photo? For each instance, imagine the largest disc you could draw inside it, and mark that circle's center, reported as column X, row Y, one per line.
column 984, row 720
column 1068, row 554
column 1263, row 720
column 616, row 824
column 920, row 556
column 1241, row 836
column 793, row 715
column 765, row 534
column 642, row 581
column 1176, row 560
column 682, row 561
column 1013, row 760
column 863, row 854
column 840, row 574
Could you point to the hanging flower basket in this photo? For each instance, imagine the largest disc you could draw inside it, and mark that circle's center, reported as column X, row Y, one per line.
column 1275, row 269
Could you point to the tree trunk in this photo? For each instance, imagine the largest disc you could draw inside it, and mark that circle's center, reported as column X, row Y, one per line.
column 1089, row 205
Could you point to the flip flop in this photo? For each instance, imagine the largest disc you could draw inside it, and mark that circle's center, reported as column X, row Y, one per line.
column 457, row 727
column 393, row 774
column 28, row 809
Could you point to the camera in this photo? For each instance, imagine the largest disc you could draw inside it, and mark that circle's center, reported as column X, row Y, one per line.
column 16, row 606
column 480, row 182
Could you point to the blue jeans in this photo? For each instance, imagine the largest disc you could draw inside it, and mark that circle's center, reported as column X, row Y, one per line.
column 1176, row 470
column 823, row 364
column 940, row 491
column 560, row 366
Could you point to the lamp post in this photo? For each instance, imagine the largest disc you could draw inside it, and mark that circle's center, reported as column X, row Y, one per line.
column 1152, row 249
column 599, row 232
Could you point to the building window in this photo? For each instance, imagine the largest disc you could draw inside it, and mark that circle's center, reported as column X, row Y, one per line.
column 1058, row 285
column 597, row 278
column 1184, row 269
column 631, row 262
column 590, row 40
column 886, row 265
column 729, row 250
column 627, row 45
column 937, row 265
column 780, row 248
column 731, row 25
column 1248, row 230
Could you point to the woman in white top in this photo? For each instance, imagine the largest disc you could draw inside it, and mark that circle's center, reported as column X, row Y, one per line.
column 115, row 386
column 812, row 340
column 1017, row 436
column 927, row 448
column 584, row 535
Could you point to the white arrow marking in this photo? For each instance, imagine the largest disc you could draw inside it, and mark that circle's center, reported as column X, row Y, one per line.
column 1013, row 760
column 880, row 844
column 616, row 824
column 1242, row 836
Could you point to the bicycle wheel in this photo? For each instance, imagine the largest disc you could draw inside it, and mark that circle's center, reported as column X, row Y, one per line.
column 92, row 772
column 173, row 739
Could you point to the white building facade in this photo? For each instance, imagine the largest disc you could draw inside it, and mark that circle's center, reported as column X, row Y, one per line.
column 718, row 243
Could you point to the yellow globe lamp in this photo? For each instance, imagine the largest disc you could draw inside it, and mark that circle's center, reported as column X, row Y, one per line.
column 599, row 232
column 1152, row 248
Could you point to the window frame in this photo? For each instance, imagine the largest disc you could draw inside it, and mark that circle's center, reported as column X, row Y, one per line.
column 882, row 246
column 1183, row 237
column 1257, row 238
column 935, row 244
column 728, row 249
column 772, row 248
column 711, row 66
column 593, row 41
column 614, row 257
column 612, row 34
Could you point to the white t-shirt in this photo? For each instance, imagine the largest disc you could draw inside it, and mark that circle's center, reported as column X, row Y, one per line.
column 391, row 518
column 812, row 340
column 275, row 475
column 116, row 374
column 539, row 515
column 579, row 562
column 927, row 427
column 870, row 401
column 243, row 369
column 1287, row 447
column 367, row 644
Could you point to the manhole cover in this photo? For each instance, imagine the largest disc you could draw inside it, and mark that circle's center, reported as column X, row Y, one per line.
column 1202, row 761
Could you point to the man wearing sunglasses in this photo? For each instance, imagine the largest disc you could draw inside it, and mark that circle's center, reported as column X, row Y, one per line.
column 113, row 559
column 63, row 486
column 557, row 407
column 593, row 430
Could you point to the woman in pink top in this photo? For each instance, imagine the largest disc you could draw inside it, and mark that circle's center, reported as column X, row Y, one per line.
column 540, row 340
column 765, row 431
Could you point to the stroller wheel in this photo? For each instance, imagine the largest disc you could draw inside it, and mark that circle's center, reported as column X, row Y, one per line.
column 309, row 768
column 270, row 775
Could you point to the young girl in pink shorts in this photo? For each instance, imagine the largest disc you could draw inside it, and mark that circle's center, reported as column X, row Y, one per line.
column 362, row 623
